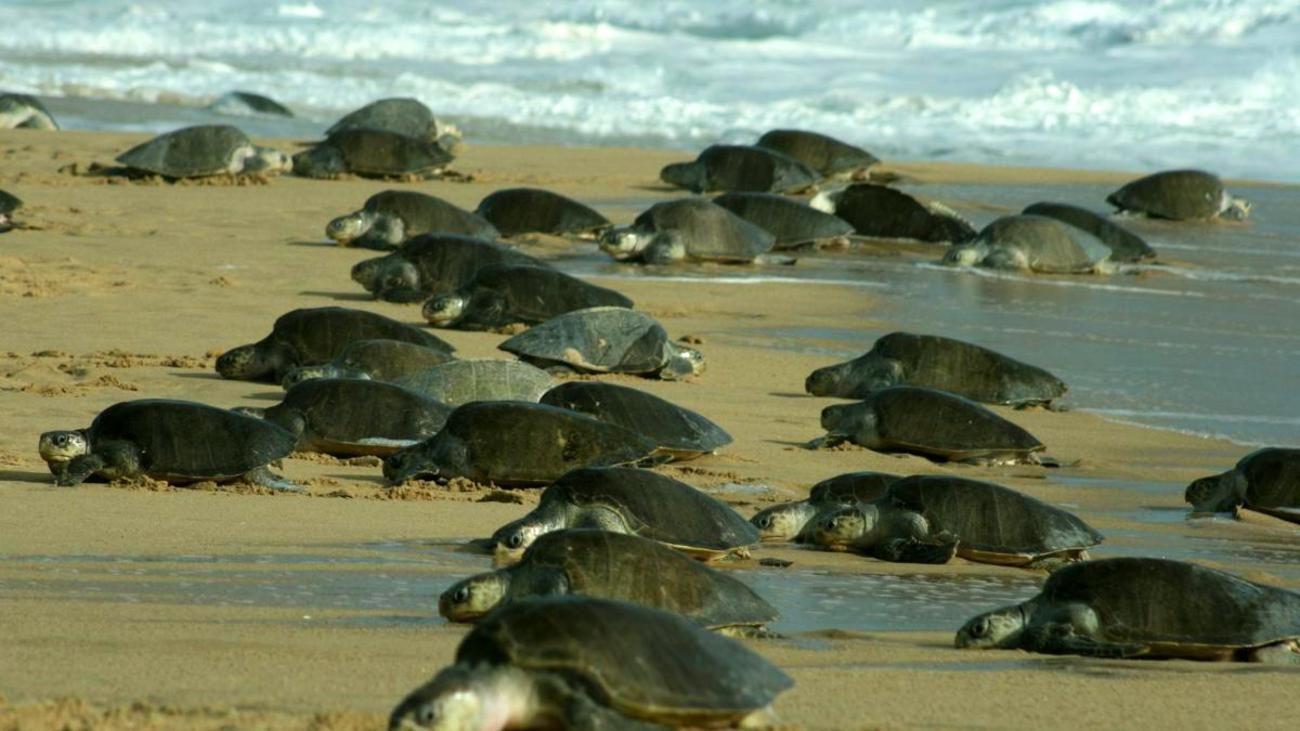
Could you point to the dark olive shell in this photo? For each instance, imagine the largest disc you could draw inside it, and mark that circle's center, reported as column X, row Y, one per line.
column 792, row 222
column 740, row 168
column 517, row 211
column 1125, row 246
column 825, row 154
column 597, row 340
column 499, row 296
column 402, row 115
column 1174, row 194
column 478, row 379
column 880, row 211
column 709, row 231
column 678, row 431
column 350, row 416
column 422, row 213
column 188, row 152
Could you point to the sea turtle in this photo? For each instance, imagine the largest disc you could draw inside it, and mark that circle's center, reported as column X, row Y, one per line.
column 1180, row 195
column 606, row 340
column 516, row 443
column 374, row 153
column 8, row 204
column 516, row 211
column 23, row 111
column 926, row 518
column 584, row 664
column 403, row 115
column 501, row 296
column 378, row 359
column 933, row 361
column 177, row 441
column 611, row 565
column 883, row 212
column 680, row 433
column 247, row 102
column 830, row 157
column 1148, row 608
column 740, row 168
column 432, row 264
column 392, row 216
column 1125, row 246
column 687, row 229
column 352, row 416
column 202, row 151
column 478, row 379
column 792, row 222
column 1266, row 480
column 314, row 335
column 796, row 521
column 1033, row 243
column 934, row 424
column 631, row 500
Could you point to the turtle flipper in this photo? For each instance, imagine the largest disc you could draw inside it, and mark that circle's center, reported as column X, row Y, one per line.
column 76, row 470
column 263, row 477
column 1059, row 639
column 826, row 441
column 584, row 714
column 911, row 550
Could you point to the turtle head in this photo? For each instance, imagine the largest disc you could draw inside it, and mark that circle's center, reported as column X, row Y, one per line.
column 408, row 463
column 267, row 160
column 511, row 540
column 998, row 628
column 346, row 228
column 625, row 242
column 62, row 446
column 844, row 526
column 781, row 522
column 1217, row 493
column 844, row 419
column 854, row 378
column 964, row 255
column 245, row 363
column 321, row 161
column 444, row 309
column 1234, row 208
column 1006, row 257
column 470, row 599
column 682, row 363
column 469, row 698
column 367, row 272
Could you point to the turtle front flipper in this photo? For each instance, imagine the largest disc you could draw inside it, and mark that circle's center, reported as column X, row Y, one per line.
column 911, row 550
column 826, row 441
column 264, row 477
column 1059, row 639
column 584, row 714
column 76, row 470
column 113, row 460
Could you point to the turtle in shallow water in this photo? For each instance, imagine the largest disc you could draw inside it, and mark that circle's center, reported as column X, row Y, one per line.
column 679, row 433
column 1125, row 246
column 373, row 153
column 402, row 115
column 1180, row 195
column 176, row 441
column 315, row 335
column 390, row 217
column 793, row 223
column 1266, row 480
column 8, row 204
column 610, row 565
column 516, row 443
column 500, row 296
column 516, row 211
column 635, row 501
column 377, row 359
column 1147, row 608
column 350, row 416
column 432, row 264
column 202, row 151
column 928, row 518
column 606, row 340
column 831, row 158
column 478, row 379
column 796, row 521
column 23, row 111
column 687, row 229
column 1033, row 243
column 246, row 103
column 584, row 664
column 882, row 212
column 933, row 361
column 934, row 424
column 740, row 168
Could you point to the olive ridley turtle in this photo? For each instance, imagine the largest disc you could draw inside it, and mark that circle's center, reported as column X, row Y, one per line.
column 1266, row 480
column 679, row 432
column 606, row 340
column 1180, row 195
column 202, row 151
column 740, row 168
column 390, row 217
column 687, row 229
column 500, row 296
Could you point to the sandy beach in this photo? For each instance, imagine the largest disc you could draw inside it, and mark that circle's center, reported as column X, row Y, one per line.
column 151, row 607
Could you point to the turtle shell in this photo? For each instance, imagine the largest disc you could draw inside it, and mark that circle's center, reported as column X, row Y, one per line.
column 991, row 523
column 381, row 153
column 402, row 115
column 1177, row 609
column 931, row 423
column 1124, row 245
column 680, row 433
column 462, row 381
column 379, row 359
column 642, row 571
column 9, row 203
column 27, row 108
column 499, row 296
column 189, row 152
column 1174, row 194
column 706, row 679
column 184, row 440
column 742, row 168
column 318, row 334
column 790, row 221
column 1049, row 246
column 423, row 213
column 443, row 262
column 349, row 416
column 248, row 102
column 851, row 487
column 709, row 231
column 825, row 154
column 880, row 211
column 656, row 506
column 517, row 211
column 596, row 340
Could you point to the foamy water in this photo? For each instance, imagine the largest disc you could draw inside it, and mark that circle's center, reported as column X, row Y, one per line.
column 1075, row 83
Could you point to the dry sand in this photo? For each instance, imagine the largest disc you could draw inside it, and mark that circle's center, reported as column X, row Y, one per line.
column 126, row 290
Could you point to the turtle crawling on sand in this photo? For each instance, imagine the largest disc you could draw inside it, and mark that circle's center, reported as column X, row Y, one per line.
column 373, row 153
column 1180, row 195
column 23, row 111
column 500, row 296
column 378, row 359
column 587, row 664
column 390, row 217
column 798, row 520
column 1125, row 246
column 433, row 264
column 1266, row 480
column 1147, row 608
column 403, row 115
column 740, row 168
column 879, row 211
column 679, row 432
column 1033, row 243
column 792, row 222
column 687, row 229
column 606, row 340
column 516, row 211
column 831, row 158
column 202, row 151
column 176, row 441
column 478, row 379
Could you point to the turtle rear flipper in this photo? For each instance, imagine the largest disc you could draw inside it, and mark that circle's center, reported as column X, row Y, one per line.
column 1055, row 639
column 264, row 477
column 911, row 550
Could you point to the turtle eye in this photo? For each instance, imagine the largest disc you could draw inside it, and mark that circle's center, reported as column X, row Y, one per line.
column 425, row 715
column 763, row 522
column 61, row 440
column 461, row 595
column 516, row 540
column 980, row 627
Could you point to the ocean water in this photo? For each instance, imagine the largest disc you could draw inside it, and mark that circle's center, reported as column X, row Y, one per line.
column 1073, row 83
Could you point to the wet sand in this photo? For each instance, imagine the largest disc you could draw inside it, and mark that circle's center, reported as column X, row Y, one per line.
column 157, row 607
